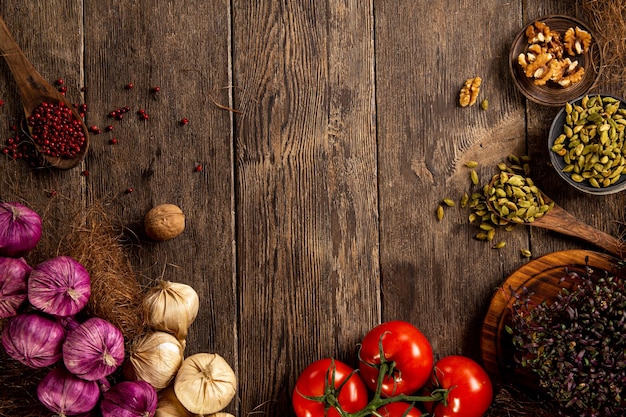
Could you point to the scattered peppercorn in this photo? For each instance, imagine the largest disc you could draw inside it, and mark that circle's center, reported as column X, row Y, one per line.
column 1, row 102
column 108, row 128
column 129, row 86
column 85, row 173
column 95, row 130
column 142, row 113
column 184, row 121
column 198, row 168
column 129, row 190
column 155, row 89
column 113, row 141
column 59, row 81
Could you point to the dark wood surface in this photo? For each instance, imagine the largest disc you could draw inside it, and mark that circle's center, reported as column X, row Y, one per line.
column 328, row 133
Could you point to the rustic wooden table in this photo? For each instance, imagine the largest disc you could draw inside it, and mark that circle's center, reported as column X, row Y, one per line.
column 327, row 132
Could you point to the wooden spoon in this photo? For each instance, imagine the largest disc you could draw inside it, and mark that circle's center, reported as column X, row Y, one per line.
column 559, row 220
column 34, row 90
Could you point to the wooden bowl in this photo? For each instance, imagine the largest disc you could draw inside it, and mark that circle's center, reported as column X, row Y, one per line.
column 541, row 277
column 552, row 94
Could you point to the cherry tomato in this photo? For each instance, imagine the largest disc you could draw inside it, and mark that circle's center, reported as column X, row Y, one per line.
column 471, row 391
column 314, row 381
column 399, row 409
column 404, row 346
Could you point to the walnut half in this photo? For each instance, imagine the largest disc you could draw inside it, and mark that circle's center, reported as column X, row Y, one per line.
column 469, row 91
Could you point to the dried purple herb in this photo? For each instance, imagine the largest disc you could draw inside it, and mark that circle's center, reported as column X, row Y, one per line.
column 576, row 343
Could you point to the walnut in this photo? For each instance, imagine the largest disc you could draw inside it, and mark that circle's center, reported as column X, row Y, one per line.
column 469, row 91
column 573, row 74
column 523, row 61
column 540, row 69
column 544, row 59
column 577, row 41
column 555, row 47
column 164, row 222
column 538, row 32
column 559, row 68
column 537, row 49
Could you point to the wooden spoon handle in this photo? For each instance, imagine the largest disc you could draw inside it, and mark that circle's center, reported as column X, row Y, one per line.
column 32, row 87
column 563, row 222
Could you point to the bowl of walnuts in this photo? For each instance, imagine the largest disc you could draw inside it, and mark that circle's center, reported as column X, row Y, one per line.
column 587, row 144
column 555, row 59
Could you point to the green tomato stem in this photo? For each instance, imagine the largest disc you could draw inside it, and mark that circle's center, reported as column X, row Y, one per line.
column 437, row 395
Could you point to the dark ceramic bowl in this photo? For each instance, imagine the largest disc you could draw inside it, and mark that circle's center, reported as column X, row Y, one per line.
column 558, row 162
column 552, row 94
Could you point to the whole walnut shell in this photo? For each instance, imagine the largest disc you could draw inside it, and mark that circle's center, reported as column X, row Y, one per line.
column 164, row 222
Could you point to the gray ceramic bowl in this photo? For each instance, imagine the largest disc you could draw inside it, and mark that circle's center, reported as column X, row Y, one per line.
column 559, row 163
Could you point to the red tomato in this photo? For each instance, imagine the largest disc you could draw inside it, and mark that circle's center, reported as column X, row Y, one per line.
column 405, row 346
column 471, row 391
column 399, row 409
column 318, row 376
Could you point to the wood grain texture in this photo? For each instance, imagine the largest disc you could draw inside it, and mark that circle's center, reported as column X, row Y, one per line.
column 328, row 132
column 306, row 188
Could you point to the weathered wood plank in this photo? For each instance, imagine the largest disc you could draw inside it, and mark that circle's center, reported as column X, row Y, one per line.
column 55, row 54
column 306, row 189
column 183, row 48
column 434, row 273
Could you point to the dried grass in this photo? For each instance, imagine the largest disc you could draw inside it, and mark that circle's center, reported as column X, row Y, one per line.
column 116, row 294
column 607, row 20
column 511, row 402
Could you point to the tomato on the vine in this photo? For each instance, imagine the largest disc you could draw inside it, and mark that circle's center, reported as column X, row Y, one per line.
column 471, row 391
column 406, row 351
column 399, row 409
column 328, row 379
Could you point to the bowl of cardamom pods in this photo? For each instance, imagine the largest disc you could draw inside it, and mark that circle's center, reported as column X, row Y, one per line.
column 587, row 146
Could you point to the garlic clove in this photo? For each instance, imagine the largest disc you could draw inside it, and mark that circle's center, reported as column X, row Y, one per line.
column 172, row 307
column 155, row 358
column 205, row 383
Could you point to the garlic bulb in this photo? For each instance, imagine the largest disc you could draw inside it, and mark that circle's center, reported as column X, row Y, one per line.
column 205, row 383
column 172, row 307
column 155, row 358
column 169, row 406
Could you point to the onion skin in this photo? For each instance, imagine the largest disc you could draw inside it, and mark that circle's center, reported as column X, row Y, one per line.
column 66, row 394
column 34, row 339
column 20, row 229
column 59, row 286
column 129, row 399
column 155, row 358
column 94, row 350
column 13, row 290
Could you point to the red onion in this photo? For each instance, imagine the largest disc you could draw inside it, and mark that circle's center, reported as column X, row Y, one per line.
column 13, row 277
column 20, row 229
column 129, row 399
column 66, row 394
column 59, row 286
column 34, row 339
column 94, row 349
